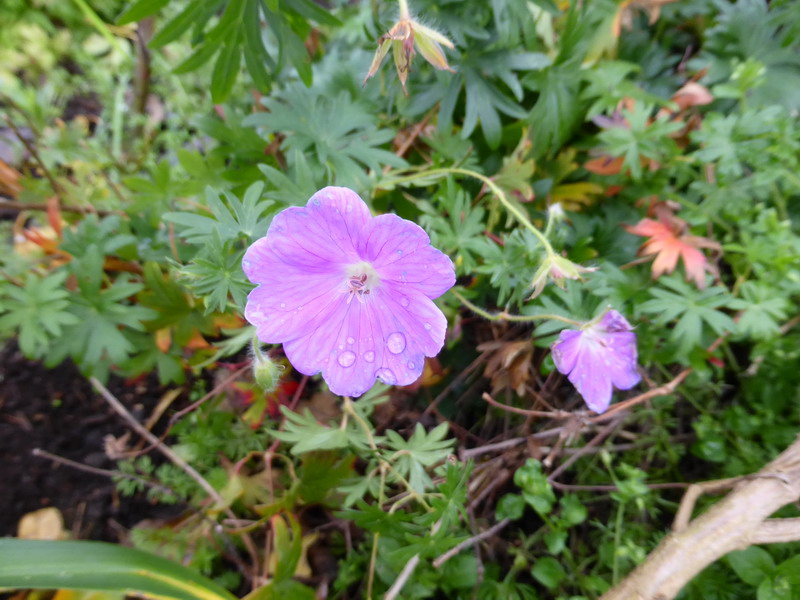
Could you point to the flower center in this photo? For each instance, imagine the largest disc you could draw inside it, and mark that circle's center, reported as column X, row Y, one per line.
column 360, row 279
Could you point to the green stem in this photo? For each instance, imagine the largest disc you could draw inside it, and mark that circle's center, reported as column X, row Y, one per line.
column 504, row 316
column 348, row 409
column 404, row 12
column 509, row 206
column 617, row 540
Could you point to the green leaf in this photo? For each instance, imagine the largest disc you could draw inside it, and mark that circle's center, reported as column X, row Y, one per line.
column 536, row 490
column 288, row 545
column 549, row 572
column 779, row 588
column 38, row 311
column 216, row 274
column 140, row 9
column 752, row 565
column 693, row 309
column 229, row 221
column 345, row 146
column 226, row 70
column 558, row 110
column 306, row 434
column 510, row 506
column 423, row 449
column 763, row 309
column 37, row 564
column 179, row 24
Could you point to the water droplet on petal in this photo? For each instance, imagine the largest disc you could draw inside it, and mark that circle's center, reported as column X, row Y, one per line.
column 349, row 207
column 351, row 340
column 346, row 359
column 411, row 366
column 369, row 356
column 246, row 264
column 283, row 304
column 341, row 346
column 396, row 342
column 399, row 252
column 427, row 326
column 404, row 301
column 386, row 376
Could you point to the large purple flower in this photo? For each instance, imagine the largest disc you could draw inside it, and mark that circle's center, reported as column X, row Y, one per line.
column 348, row 294
column 597, row 357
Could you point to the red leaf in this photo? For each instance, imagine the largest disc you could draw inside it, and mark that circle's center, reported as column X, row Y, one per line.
column 669, row 242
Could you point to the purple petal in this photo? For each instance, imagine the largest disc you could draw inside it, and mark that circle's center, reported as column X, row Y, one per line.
column 565, row 350
column 290, row 302
column 381, row 337
column 402, row 253
column 598, row 357
column 621, row 362
column 322, row 234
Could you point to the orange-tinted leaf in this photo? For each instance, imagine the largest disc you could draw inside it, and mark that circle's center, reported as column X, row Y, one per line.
column 668, row 243
column 605, row 165
column 692, row 94
column 163, row 339
column 9, row 180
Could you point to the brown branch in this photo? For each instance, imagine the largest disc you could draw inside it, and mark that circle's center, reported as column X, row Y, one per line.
column 550, row 414
column 777, row 531
column 736, row 522
column 468, row 543
column 662, row 390
column 21, row 206
column 102, row 472
column 32, row 150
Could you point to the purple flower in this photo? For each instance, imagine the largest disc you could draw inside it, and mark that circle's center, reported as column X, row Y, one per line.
column 597, row 357
column 348, row 294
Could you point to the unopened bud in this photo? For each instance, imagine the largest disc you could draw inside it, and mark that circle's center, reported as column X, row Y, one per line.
column 266, row 373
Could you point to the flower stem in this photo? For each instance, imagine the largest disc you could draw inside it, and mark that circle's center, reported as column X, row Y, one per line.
column 404, row 12
column 504, row 316
column 499, row 193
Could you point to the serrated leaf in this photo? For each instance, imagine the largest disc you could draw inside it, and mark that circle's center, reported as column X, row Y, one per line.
column 140, row 9
column 423, row 449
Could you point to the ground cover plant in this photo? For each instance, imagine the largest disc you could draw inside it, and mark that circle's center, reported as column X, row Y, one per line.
column 448, row 299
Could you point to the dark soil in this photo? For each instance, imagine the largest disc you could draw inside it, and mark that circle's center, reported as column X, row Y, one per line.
column 58, row 411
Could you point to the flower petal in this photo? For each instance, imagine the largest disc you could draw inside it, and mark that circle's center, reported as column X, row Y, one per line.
column 322, row 234
column 591, row 381
column 383, row 337
column 566, row 349
column 401, row 252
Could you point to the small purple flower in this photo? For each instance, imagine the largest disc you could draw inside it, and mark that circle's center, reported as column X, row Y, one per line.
column 348, row 294
column 597, row 357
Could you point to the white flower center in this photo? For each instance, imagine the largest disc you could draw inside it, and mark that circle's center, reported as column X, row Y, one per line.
column 360, row 279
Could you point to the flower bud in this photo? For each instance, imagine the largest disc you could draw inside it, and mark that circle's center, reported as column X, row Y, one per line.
column 266, row 373
column 558, row 269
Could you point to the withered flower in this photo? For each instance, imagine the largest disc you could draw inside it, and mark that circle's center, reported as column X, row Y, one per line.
column 403, row 38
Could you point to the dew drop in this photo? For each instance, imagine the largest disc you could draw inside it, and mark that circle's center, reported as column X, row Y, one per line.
column 399, row 252
column 351, row 340
column 411, row 366
column 369, row 356
column 349, row 207
column 346, row 359
column 283, row 304
column 246, row 264
column 396, row 342
column 341, row 346
column 427, row 326
column 404, row 301
column 386, row 376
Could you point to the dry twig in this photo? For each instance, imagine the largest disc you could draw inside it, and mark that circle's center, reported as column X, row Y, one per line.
column 738, row 521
